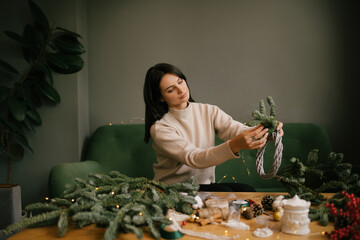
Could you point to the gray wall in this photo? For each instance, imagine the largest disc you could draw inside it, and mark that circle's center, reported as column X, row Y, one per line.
column 233, row 52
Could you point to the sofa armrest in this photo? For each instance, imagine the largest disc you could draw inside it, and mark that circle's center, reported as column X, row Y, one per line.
column 65, row 173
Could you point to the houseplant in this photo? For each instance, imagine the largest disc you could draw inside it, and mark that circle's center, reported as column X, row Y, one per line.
column 45, row 48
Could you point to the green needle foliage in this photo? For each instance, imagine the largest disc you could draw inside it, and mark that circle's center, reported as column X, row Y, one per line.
column 45, row 49
column 114, row 201
column 260, row 117
column 311, row 178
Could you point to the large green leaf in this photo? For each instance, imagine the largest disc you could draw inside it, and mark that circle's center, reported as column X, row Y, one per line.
column 56, row 61
column 23, row 141
column 69, row 63
column 35, row 100
column 6, row 66
column 48, row 90
column 31, row 54
column 17, row 151
column 34, row 115
column 69, row 44
column 23, row 90
column 69, row 32
column 17, row 38
column 39, row 16
column 28, row 125
column 13, row 127
column 4, row 93
column 46, row 70
column 17, row 109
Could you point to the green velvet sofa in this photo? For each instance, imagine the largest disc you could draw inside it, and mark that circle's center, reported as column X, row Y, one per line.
column 122, row 148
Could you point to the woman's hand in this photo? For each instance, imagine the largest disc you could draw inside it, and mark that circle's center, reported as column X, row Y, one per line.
column 253, row 138
column 279, row 128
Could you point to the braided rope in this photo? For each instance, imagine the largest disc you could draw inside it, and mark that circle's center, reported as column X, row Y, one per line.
column 277, row 158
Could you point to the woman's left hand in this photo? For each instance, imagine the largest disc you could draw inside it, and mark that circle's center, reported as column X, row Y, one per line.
column 279, row 128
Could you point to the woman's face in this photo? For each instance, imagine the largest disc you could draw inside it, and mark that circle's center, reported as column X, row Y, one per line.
column 174, row 91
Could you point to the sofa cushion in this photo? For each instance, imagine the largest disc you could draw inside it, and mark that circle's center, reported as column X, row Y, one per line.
column 122, row 148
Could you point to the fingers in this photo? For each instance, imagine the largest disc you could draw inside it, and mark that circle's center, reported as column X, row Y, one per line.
column 260, row 142
column 257, row 137
column 261, row 133
column 279, row 128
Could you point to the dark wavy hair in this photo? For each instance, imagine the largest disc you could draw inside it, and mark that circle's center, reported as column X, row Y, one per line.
column 154, row 108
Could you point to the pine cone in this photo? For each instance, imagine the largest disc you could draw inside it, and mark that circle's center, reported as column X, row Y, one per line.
column 248, row 213
column 257, row 209
column 267, row 202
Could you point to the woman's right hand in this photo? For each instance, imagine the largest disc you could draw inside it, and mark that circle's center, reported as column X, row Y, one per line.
column 252, row 138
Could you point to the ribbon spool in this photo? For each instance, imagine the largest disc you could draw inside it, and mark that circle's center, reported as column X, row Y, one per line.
column 169, row 235
column 277, row 158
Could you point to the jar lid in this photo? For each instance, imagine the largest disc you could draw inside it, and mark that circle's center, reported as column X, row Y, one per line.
column 295, row 203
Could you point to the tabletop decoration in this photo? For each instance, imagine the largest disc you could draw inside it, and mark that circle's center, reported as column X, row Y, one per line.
column 347, row 217
column 265, row 231
column 173, row 230
column 295, row 219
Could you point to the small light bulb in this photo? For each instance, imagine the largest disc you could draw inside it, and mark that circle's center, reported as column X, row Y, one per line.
column 73, row 200
column 140, row 213
column 96, row 188
column 117, row 206
column 110, row 124
column 170, row 219
column 112, row 193
column 46, row 198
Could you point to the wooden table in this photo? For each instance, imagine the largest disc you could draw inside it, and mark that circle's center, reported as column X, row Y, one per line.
column 93, row 232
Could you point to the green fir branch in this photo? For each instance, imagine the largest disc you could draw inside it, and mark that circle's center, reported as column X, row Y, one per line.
column 114, row 201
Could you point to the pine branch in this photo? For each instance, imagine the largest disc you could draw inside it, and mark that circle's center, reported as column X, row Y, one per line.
column 260, row 117
column 115, row 201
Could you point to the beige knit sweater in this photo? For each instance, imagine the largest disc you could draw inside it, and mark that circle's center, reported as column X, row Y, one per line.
column 184, row 142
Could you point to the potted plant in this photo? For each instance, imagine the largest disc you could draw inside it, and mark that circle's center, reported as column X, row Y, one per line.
column 46, row 48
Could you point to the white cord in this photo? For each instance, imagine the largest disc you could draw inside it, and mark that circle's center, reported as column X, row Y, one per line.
column 277, row 158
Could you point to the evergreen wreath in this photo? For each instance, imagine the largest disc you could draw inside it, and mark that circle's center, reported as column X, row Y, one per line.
column 113, row 200
column 269, row 122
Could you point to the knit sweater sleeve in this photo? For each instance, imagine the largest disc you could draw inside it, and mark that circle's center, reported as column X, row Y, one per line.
column 169, row 144
column 225, row 126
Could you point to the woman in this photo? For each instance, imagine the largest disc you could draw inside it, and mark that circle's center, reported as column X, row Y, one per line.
column 183, row 132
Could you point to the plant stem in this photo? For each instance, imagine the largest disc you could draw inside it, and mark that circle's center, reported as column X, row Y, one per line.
column 9, row 157
column 10, row 170
column 41, row 54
